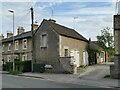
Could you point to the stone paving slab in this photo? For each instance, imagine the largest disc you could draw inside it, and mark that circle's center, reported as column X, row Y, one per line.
column 93, row 76
column 105, row 83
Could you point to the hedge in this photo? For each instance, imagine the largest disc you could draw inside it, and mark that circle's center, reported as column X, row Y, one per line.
column 23, row 66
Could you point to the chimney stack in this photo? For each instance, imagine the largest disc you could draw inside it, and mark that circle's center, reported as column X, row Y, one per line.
column 35, row 25
column 9, row 34
column 1, row 36
column 20, row 30
column 52, row 20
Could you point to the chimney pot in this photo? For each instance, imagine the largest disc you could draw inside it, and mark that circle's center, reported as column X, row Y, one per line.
column 1, row 36
column 35, row 25
column 20, row 30
column 52, row 20
column 9, row 34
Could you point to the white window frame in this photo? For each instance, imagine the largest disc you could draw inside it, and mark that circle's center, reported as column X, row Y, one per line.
column 16, row 57
column 16, row 45
column 9, row 47
column 66, row 47
column 24, row 43
column 42, row 43
column 3, row 48
column 66, row 54
column 24, row 57
column 8, row 58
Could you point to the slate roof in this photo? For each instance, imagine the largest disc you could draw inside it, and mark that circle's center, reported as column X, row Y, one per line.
column 94, row 45
column 65, row 31
column 21, row 36
column 62, row 30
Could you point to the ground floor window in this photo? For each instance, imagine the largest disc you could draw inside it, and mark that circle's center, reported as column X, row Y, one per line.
column 8, row 58
column 24, row 57
column 66, row 53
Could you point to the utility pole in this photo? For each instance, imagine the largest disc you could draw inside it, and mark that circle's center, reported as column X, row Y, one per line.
column 32, row 19
column 117, row 7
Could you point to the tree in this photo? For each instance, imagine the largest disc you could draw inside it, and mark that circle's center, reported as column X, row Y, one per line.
column 106, row 41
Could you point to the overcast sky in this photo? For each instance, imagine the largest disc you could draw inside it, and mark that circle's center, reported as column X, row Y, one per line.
column 92, row 15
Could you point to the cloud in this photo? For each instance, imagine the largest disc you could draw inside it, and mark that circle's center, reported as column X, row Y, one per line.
column 89, row 22
column 0, row 17
column 17, row 0
column 89, row 11
column 92, row 26
column 21, row 13
column 57, row 0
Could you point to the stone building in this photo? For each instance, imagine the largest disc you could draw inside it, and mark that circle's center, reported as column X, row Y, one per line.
column 99, row 55
column 22, row 45
column 115, row 69
column 1, row 37
column 59, row 46
column 54, row 45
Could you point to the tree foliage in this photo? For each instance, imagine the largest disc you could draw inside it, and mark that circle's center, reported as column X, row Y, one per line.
column 106, row 41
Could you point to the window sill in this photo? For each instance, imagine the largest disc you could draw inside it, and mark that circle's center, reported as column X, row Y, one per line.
column 24, row 48
column 43, row 47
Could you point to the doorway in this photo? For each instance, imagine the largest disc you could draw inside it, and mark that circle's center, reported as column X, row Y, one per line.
column 75, row 57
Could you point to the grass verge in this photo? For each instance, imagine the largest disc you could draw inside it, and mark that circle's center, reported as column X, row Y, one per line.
column 15, row 72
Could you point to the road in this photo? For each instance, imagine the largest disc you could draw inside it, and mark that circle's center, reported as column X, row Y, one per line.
column 95, row 72
column 11, row 81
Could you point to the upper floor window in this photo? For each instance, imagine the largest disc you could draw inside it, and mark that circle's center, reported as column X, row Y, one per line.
column 66, row 52
column 9, row 47
column 24, row 43
column 3, row 48
column 43, row 40
column 16, row 45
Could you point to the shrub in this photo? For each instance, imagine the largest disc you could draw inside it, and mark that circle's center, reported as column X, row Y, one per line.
column 22, row 66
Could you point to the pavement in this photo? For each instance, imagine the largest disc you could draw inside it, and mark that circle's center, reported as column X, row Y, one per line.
column 17, row 82
column 93, row 76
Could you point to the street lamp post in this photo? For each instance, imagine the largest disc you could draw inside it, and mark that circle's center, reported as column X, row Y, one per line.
column 13, row 39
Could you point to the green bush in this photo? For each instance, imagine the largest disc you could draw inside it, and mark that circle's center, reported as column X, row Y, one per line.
column 22, row 66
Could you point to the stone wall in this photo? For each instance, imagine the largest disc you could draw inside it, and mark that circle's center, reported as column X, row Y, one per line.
column 115, row 69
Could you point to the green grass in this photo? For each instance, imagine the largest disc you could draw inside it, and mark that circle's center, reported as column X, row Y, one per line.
column 15, row 72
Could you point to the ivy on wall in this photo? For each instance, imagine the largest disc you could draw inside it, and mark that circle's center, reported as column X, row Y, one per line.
column 92, row 55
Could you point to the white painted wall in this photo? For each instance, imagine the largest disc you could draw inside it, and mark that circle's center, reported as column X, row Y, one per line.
column 85, row 58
